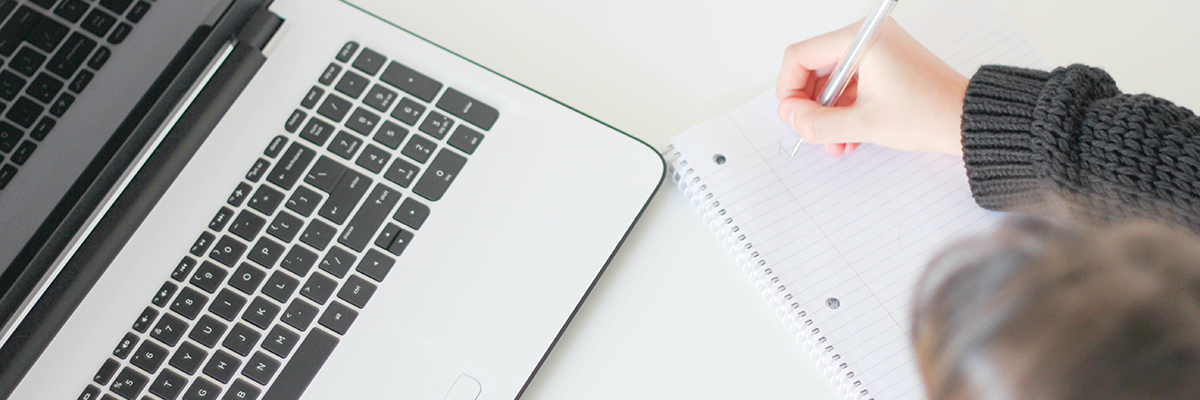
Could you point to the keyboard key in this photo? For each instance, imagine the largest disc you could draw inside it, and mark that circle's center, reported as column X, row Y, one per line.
column 317, row 131
column 275, row 147
column 106, row 371
column 82, row 79
column 138, row 11
column 285, row 226
column 144, row 321
column 440, row 175
column 403, row 238
column 222, row 366
column 227, row 304
column 352, row 84
column 208, row 331
column 261, row 312
column 265, row 200
column 369, row 61
column 408, row 111
column 419, row 148
column 318, row 288
column 169, row 329
column 71, row 55
column 98, row 22
column 247, row 225
column 387, row 235
column 120, row 33
column 182, row 270
column 401, row 172
column 42, row 128
column 6, row 174
column 168, row 385
column 71, row 10
column 27, row 61
column 373, row 158
column 313, row 96
column 437, row 125
column 362, row 121
column 280, row 341
column 331, row 72
column 241, row 339
column 337, row 261
column 334, row 108
column 223, row 216
column 349, row 190
column 129, row 383
column 280, row 286
column 380, row 98
column 24, row 151
column 90, row 392
column 9, row 137
column 369, row 217
column 125, row 346
column 202, row 389
column 149, row 356
column 347, row 51
column 294, row 121
column 338, row 317
column 188, row 303
column 266, row 252
column 10, row 85
column 14, row 31
column 290, row 168
column 46, row 34
column 240, row 193
column 99, row 58
column 44, row 3
column 60, row 106
column 6, row 8
column 345, row 145
column 294, row 378
column 261, row 368
column 116, row 6
column 24, row 112
column 412, row 213
column 357, row 291
column 469, row 109
column 240, row 389
column 188, row 358
column 390, row 134
column 209, row 276
column 413, row 82
column 164, row 294
column 376, row 265
column 228, row 251
column 324, row 175
column 298, row 261
column 465, row 139
column 304, row 201
column 247, row 278
column 299, row 314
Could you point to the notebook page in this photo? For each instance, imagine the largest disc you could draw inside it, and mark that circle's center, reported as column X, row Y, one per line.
column 857, row 228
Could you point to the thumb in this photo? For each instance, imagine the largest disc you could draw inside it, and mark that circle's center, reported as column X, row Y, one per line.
column 820, row 125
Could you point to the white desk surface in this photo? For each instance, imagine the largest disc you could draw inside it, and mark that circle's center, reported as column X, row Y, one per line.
column 671, row 317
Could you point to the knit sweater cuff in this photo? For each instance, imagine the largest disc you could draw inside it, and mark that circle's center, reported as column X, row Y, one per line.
column 997, row 124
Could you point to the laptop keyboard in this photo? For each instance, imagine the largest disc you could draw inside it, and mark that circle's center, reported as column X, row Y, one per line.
column 51, row 50
column 302, row 243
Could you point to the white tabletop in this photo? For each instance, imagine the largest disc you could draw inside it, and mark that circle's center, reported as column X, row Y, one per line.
column 671, row 317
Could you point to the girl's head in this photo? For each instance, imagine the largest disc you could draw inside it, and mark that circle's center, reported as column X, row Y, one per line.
column 1036, row 310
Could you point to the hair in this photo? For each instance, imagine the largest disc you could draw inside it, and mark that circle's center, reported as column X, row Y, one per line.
column 1043, row 310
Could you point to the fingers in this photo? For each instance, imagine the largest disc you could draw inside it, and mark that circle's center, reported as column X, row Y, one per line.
column 801, row 59
column 824, row 125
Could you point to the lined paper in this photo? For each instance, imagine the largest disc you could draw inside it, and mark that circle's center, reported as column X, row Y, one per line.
column 858, row 228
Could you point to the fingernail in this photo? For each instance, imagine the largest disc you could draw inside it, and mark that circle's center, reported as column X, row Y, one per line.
column 786, row 114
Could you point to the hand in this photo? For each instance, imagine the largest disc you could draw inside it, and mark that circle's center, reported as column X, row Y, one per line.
column 903, row 96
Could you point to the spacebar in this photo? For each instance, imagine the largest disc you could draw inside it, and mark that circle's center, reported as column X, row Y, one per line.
column 305, row 363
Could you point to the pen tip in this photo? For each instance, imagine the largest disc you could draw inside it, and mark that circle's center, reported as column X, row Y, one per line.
column 796, row 148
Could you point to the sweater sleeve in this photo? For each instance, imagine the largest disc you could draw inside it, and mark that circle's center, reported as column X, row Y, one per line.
column 1030, row 137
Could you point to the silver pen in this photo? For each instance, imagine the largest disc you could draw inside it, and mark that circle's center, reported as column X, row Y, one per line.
column 848, row 65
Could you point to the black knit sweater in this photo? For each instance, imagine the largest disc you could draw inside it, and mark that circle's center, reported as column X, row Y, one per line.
column 1033, row 137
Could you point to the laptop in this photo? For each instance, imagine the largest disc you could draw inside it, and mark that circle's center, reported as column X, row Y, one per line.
column 291, row 199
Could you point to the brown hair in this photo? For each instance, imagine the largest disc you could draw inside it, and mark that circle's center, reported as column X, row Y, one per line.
column 1041, row 310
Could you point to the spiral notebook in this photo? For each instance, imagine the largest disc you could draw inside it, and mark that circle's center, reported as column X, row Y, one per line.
column 836, row 244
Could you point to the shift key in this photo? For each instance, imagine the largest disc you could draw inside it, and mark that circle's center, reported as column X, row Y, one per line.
column 349, row 190
column 291, row 167
column 364, row 224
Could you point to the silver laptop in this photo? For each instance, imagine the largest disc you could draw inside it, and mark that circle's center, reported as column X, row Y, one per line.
column 305, row 201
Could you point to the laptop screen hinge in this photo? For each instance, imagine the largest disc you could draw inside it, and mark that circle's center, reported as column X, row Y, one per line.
column 258, row 31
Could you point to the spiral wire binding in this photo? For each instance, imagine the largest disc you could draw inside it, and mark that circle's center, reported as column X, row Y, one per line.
column 760, row 273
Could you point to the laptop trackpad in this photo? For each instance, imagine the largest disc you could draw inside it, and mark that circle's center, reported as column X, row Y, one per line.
column 465, row 388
